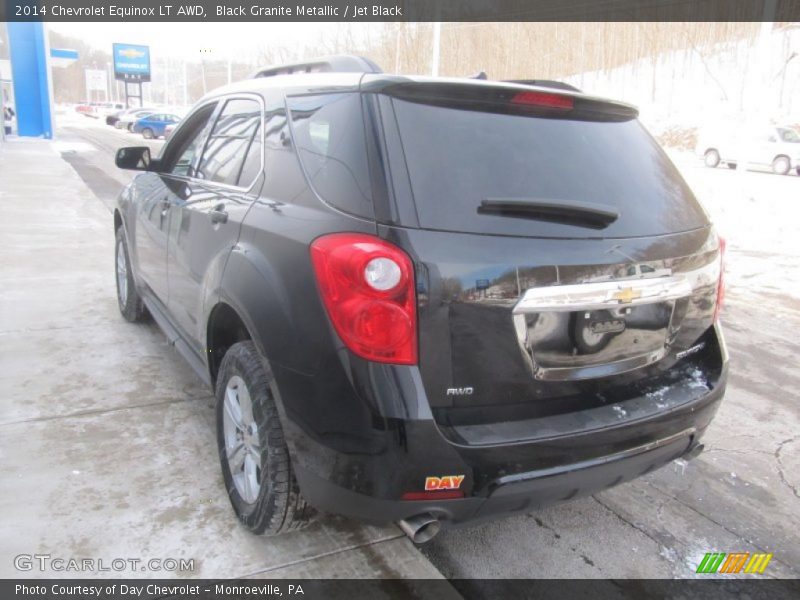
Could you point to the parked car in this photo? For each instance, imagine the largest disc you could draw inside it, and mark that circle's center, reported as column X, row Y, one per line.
column 154, row 126
column 127, row 120
column 773, row 147
column 319, row 246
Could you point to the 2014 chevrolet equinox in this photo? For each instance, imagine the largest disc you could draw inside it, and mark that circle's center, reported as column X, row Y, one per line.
column 425, row 300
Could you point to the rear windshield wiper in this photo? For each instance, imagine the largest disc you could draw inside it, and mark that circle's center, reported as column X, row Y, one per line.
column 570, row 212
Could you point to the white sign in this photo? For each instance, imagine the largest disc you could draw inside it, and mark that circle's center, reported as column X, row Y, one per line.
column 96, row 80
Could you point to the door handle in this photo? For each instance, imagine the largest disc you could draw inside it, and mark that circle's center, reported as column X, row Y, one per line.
column 218, row 214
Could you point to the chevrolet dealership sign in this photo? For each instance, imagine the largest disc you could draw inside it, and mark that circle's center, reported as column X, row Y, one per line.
column 131, row 62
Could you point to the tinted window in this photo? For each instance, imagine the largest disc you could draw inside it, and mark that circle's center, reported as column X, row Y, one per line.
column 181, row 152
column 328, row 133
column 456, row 158
column 252, row 160
column 229, row 142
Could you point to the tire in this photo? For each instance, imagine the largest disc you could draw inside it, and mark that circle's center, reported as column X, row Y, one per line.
column 147, row 133
column 130, row 127
column 732, row 166
column 781, row 165
column 254, row 439
column 130, row 302
column 711, row 158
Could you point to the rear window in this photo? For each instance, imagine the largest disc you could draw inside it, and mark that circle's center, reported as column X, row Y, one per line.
column 456, row 158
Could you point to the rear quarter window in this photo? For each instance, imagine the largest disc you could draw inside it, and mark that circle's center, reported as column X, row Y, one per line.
column 329, row 137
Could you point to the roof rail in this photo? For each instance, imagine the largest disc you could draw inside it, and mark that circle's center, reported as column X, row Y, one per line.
column 340, row 63
column 559, row 85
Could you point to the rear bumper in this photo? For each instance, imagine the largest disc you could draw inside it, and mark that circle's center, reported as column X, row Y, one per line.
column 525, row 492
column 532, row 489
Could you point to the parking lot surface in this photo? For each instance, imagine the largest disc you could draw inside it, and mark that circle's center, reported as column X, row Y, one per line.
column 107, row 437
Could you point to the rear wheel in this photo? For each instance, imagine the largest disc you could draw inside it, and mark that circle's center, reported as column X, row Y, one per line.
column 147, row 133
column 781, row 165
column 255, row 461
column 130, row 302
column 711, row 158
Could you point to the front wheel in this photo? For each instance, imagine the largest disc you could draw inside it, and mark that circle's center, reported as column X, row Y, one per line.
column 147, row 133
column 781, row 165
column 130, row 302
column 255, row 461
column 711, row 158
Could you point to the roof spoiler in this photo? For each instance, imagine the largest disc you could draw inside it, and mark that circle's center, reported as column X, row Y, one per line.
column 340, row 63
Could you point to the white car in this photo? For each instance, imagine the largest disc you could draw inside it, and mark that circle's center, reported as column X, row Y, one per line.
column 774, row 147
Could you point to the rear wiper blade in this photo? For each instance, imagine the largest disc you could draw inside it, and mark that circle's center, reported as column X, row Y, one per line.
column 571, row 212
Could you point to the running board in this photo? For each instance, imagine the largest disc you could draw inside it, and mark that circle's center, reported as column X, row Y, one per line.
column 176, row 339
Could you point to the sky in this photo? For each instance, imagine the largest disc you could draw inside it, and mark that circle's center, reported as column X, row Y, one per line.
column 187, row 40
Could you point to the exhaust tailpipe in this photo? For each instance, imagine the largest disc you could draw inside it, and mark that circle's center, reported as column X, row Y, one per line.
column 420, row 528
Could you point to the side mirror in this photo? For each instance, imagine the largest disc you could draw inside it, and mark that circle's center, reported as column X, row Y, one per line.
column 135, row 158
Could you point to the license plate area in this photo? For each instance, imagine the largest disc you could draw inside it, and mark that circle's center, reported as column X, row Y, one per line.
column 599, row 329
column 594, row 343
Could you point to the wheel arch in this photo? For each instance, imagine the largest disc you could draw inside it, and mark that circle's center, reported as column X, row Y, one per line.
column 225, row 327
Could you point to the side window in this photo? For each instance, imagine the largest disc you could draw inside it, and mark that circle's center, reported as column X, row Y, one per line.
column 235, row 133
column 180, row 152
column 329, row 135
column 253, row 160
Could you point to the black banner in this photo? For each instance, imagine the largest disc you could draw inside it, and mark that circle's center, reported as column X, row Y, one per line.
column 398, row 10
column 378, row 589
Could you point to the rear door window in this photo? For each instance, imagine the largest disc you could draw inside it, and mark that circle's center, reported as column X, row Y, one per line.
column 458, row 157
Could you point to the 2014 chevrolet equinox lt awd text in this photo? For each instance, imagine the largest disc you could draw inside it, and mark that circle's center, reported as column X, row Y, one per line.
column 425, row 300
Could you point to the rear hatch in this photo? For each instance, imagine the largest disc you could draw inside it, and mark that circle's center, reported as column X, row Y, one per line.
column 563, row 263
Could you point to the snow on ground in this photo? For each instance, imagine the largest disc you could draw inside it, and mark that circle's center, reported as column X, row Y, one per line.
column 758, row 213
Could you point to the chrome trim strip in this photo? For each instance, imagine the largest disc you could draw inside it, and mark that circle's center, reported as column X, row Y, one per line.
column 607, row 294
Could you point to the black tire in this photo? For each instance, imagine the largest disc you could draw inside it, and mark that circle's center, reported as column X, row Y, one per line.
column 278, row 507
column 732, row 166
column 711, row 158
column 130, row 127
column 147, row 133
column 130, row 302
column 781, row 165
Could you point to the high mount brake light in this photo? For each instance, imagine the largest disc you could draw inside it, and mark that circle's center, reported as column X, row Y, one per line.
column 543, row 99
column 367, row 287
column 721, row 284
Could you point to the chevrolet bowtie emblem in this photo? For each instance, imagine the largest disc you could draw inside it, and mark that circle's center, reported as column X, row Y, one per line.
column 626, row 295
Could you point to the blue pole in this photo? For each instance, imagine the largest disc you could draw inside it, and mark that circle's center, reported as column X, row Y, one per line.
column 30, row 75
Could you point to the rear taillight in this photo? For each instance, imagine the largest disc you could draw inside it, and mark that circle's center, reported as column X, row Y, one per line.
column 721, row 284
column 543, row 99
column 367, row 286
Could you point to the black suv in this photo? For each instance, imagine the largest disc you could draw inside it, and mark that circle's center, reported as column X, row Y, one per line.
column 425, row 300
